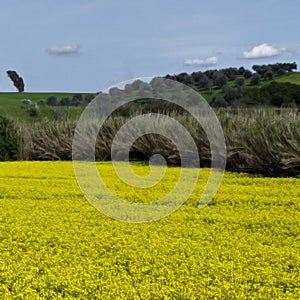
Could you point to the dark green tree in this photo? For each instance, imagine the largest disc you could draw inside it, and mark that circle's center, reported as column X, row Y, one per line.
column 220, row 79
column 77, row 99
column 247, row 74
column 51, row 101
column 218, row 101
column 65, row 101
column 297, row 97
column 277, row 100
column 255, row 79
column 268, row 75
column 239, row 82
column 230, row 94
column 88, row 98
column 241, row 71
column 204, row 81
column 17, row 80
column 8, row 139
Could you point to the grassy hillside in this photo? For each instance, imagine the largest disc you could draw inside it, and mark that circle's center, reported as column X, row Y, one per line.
column 290, row 77
column 10, row 105
column 293, row 78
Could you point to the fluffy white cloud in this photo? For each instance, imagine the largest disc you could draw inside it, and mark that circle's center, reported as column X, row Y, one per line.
column 210, row 61
column 262, row 51
column 63, row 50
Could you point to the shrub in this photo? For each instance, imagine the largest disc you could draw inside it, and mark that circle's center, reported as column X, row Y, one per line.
column 26, row 102
column 77, row 99
column 255, row 79
column 52, row 101
column 88, row 98
column 8, row 140
column 33, row 111
column 40, row 102
column 219, row 101
column 65, row 101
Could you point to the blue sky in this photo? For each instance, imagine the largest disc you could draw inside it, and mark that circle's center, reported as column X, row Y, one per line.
column 88, row 45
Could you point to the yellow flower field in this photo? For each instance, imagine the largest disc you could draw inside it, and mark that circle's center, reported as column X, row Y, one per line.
column 55, row 245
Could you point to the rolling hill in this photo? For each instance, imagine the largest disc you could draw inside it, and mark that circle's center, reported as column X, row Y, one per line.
column 282, row 86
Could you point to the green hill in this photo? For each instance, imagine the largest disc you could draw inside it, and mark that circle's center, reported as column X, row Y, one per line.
column 277, row 86
column 290, row 77
column 293, row 78
column 11, row 106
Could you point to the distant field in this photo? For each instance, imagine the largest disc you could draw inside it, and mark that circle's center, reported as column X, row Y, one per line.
column 15, row 98
column 10, row 105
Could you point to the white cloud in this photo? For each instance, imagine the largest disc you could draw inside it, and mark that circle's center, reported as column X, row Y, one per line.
column 63, row 50
column 263, row 51
column 210, row 61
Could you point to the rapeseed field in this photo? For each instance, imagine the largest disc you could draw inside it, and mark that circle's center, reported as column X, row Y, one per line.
column 55, row 245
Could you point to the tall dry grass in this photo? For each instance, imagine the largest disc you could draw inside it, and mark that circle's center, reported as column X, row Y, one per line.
column 258, row 141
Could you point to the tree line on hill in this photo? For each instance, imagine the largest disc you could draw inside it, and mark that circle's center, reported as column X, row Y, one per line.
column 77, row 100
column 236, row 87
column 228, row 87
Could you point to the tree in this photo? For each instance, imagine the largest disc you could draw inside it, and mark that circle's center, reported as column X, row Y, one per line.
column 33, row 111
column 268, row 75
column 51, row 101
column 9, row 141
column 17, row 80
column 168, row 76
column 277, row 100
column 275, row 68
column 239, row 82
column 258, row 69
column 241, row 71
column 184, row 78
column 247, row 74
column 220, row 79
column 230, row 73
column 88, row 98
column 230, row 94
column 255, row 79
column 209, row 86
column 219, row 101
column 297, row 97
column 76, row 99
column 196, row 76
column 281, row 72
column 290, row 67
column 203, row 81
column 65, row 101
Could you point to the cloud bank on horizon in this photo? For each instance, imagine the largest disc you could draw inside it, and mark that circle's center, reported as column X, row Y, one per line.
column 63, row 50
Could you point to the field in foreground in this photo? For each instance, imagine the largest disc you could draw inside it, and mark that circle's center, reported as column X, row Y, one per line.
column 55, row 245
